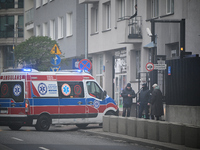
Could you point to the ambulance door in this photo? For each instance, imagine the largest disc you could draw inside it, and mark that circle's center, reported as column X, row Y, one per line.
column 44, row 91
column 72, row 101
column 94, row 100
column 12, row 98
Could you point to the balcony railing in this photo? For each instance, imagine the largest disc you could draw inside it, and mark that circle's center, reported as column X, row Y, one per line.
column 135, row 27
column 29, row 14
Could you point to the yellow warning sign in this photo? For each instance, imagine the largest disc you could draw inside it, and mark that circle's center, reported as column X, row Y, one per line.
column 55, row 50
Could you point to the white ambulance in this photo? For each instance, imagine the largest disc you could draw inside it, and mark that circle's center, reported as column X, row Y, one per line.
column 32, row 98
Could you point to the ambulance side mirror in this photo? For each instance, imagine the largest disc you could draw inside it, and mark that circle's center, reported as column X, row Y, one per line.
column 104, row 95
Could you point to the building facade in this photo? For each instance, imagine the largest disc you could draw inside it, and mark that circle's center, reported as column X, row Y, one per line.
column 11, row 30
column 121, row 47
column 63, row 21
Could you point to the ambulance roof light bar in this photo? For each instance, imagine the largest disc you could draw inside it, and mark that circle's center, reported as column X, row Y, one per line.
column 20, row 70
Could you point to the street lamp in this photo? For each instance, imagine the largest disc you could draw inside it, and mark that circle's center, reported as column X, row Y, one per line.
column 7, row 25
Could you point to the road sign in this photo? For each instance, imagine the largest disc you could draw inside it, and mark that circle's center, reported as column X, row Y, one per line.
column 85, row 64
column 160, row 66
column 55, row 50
column 55, row 60
column 55, row 68
column 149, row 66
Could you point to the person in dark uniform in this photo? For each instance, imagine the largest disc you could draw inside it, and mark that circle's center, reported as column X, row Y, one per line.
column 144, row 101
column 128, row 94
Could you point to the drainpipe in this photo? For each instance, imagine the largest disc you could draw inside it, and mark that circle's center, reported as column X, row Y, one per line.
column 86, row 31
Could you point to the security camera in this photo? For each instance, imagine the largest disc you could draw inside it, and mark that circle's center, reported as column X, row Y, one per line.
column 148, row 32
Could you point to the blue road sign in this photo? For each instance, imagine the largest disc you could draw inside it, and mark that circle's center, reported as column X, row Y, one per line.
column 85, row 64
column 55, row 60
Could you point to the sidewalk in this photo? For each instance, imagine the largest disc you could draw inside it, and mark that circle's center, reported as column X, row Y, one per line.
column 140, row 141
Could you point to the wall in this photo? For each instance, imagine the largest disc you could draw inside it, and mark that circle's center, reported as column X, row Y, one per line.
column 183, row 114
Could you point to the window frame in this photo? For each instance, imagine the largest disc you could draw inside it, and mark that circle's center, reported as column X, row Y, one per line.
column 60, row 27
column 52, row 29
column 69, row 24
column 169, row 6
column 155, row 8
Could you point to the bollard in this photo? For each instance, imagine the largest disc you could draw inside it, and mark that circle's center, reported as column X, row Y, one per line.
column 177, row 133
column 131, row 126
column 152, row 130
column 192, row 136
column 113, row 127
column 141, row 128
column 164, row 131
column 106, row 123
column 122, row 125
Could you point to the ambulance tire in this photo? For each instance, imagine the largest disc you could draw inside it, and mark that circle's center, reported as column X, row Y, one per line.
column 43, row 123
column 82, row 126
column 15, row 127
column 110, row 113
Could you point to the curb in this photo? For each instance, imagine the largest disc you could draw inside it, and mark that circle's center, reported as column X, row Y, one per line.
column 140, row 141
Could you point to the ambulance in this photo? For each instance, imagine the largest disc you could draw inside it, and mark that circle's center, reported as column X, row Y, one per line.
column 40, row 99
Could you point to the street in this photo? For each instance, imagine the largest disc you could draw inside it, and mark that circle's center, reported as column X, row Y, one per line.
column 60, row 138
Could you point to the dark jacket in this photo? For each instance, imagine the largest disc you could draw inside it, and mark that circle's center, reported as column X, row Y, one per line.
column 156, row 103
column 144, row 96
column 126, row 99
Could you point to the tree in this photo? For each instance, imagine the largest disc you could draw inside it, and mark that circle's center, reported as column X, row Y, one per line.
column 35, row 52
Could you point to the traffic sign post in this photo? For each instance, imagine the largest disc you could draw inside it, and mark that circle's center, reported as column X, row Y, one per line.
column 55, row 61
column 55, row 50
column 160, row 66
column 149, row 66
column 85, row 64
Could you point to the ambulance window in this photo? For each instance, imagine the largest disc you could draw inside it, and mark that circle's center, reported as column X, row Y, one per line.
column 14, row 90
column 94, row 90
column 71, row 89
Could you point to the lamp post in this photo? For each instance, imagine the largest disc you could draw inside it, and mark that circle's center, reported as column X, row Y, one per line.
column 7, row 25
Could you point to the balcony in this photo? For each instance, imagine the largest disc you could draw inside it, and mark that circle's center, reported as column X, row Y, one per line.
column 129, row 31
column 29, row 14
column 87, row 1
column 135, row 28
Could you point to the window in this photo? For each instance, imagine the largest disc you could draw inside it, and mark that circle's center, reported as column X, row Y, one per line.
column 8, row 60
column 5, row 4
column 170, row 6
column 69, row 24
column 37, row 33
column 133, row 3
column 94, row 19
column 71, row 89
column 94, row 90
column 20, row 3
column 138, row 64
column 60, row 27
column 38, row 3
column 121, row 9
column 44, row 2
column 14, row 90
column 99, row 73
column 20, row 26
column 45, row 29
column 155, row 8
column 107, row 18
column 52, row 29
column 8, row 30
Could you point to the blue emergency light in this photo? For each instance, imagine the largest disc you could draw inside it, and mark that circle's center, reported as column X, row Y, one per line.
column 27, row 70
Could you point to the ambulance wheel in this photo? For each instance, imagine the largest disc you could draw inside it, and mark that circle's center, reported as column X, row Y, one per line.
column 110, row 113
column 81, row 126
column 15, row 127
column 43, row 123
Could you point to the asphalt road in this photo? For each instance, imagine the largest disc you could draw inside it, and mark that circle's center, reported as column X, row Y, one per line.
column 60, row 138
